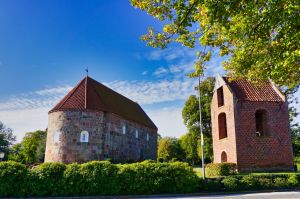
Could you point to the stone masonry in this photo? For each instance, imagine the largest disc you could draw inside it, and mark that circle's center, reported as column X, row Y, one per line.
column 80, row 131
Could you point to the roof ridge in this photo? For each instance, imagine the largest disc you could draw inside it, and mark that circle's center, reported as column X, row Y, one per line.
column 98, row 94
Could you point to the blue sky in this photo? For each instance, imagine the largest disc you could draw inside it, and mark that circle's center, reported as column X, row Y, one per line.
column 46, row 45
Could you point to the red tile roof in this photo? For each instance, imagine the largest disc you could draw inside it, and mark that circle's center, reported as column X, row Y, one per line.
column 91, row 95
column 245, row 90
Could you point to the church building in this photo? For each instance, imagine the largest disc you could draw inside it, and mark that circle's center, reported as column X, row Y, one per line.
column 93, row 122
column 250, row 125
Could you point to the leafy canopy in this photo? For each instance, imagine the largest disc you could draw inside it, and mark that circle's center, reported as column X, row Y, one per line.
column 6, row 137
column 261, row 38
column 190, row 142
column 32, row 148
column 168, row 149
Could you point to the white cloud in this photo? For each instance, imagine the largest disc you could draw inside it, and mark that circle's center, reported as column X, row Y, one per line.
column 169, row 121
column 25, row 120
column 44, row 98
column 171, row 54
column 148, row 92
column 145, row 72
column 160, row 71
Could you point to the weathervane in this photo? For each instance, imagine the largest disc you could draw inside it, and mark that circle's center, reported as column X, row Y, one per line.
column 87, row 71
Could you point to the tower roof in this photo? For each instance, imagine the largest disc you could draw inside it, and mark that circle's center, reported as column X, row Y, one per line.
column 90, row 95
column 248, row 91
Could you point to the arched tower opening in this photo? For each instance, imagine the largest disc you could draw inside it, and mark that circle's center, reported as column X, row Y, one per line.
column 261, row 122
column 223, row 156
column 222, row 125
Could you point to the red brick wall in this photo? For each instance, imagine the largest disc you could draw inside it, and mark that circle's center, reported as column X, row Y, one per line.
column 226, row 144
column 242, row 146
column 270, row 152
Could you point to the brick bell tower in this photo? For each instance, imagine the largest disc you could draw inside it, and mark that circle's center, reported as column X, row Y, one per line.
column 250, row 126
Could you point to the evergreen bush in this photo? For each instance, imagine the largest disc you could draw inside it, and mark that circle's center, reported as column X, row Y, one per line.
column 220, row 169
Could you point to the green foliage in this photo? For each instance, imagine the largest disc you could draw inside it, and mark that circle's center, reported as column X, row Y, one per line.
column 261, row 38
column 47, row 179
column 190, row 142
column 32, row 148
column 230, row 183
column 293, row 180
column 249, row 182
column 220, row 169
column 280, row 182
column 147, row 178
column 6, row 139
column 169, row 148
column 96, row 178
column 12, row 179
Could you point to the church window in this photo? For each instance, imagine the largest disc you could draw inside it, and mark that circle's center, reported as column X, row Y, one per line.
column 124, row 129
column 261, row 122
column 222, row 125
column 84, row 136
column 56, row 137
column 136, row 133
column 220, row 96
column 223, row 157
column 147, row 137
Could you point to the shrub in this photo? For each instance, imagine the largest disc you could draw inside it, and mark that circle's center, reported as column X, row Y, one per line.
column 12, row 176
column 147, row 178
column 293, row 180
column 249, row 182
column 46, row 180
column 264, row 182
column 231, row 183
column 220, row 169
column 280, row 182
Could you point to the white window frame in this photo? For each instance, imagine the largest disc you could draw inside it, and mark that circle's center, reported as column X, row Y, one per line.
column 56, row 137
column 84, row 136
column 124, row 129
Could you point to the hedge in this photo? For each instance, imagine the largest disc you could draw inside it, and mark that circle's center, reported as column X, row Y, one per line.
column 99, row 178
column 96, row 178
column 220, row 169
column 261, row 182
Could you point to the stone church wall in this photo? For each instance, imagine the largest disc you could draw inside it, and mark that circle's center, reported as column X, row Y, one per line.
column 106, row 139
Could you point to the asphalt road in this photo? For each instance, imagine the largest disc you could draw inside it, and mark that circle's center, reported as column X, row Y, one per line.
column 272, row 195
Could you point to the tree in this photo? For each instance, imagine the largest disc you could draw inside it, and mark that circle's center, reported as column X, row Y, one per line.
column 190, row 114
column 294, row 127
column 168, row 149
column 261, row 38
column 32, row 148
column 6, row 138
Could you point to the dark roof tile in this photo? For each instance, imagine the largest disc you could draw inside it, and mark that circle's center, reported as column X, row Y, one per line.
column 245, row 90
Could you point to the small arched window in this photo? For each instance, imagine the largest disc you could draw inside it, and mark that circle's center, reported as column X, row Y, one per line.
column 84, row 136
column 223, row 157
column 222, row 125
column 56, row 137
column 147, row 136
column 261, row 122
column 124, row 129
column 136, row 133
